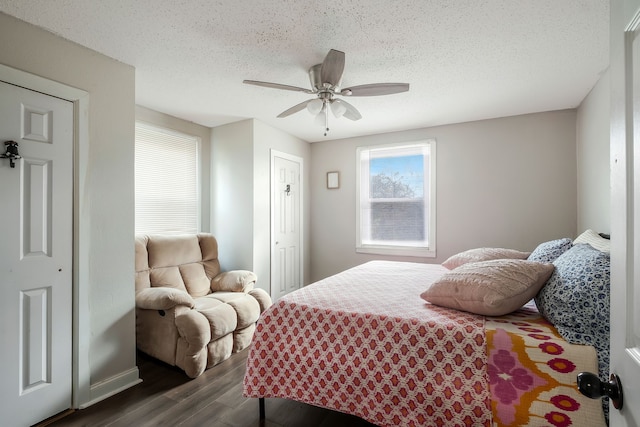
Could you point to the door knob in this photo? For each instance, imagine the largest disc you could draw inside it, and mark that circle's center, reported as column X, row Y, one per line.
column 590, row 385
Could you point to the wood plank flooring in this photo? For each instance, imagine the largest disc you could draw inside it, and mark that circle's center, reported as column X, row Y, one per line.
column 167, row 397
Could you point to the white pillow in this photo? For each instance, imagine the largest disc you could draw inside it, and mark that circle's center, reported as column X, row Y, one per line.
column 595, row 240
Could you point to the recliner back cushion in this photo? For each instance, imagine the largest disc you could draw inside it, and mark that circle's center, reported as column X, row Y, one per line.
column 167, row 277
column 142, row 263
column 209, row 248
column 187, row 277
column 171, row 251
column 195, row 279
column 176, row 262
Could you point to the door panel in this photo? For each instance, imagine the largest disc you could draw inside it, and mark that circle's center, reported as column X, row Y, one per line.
column 36, row 211
column 35, row 205
column 286, row 271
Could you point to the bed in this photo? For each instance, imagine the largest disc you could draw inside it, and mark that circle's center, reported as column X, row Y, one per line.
column 363, row 342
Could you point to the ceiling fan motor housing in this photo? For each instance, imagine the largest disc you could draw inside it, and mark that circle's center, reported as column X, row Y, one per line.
column 315, row 78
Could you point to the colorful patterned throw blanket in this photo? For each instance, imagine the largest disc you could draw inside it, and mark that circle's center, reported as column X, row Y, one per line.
column 532, row 373
column 363, row 342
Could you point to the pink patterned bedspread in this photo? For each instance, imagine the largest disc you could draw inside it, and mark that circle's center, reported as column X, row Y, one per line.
column 363, row 342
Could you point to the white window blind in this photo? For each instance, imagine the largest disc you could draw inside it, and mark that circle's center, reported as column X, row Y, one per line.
column 396, row 199
column 167, row 185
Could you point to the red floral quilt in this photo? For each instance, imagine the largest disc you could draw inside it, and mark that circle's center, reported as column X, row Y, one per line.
column 363, row 342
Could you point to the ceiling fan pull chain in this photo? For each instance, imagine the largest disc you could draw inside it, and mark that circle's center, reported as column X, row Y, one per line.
column 326, row 118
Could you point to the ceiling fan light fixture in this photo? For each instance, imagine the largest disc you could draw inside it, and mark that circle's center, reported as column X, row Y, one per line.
column 315, row 106
column 337, row 108
column 321, row 118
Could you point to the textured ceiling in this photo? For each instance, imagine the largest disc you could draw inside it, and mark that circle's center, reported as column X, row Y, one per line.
column 464, row 59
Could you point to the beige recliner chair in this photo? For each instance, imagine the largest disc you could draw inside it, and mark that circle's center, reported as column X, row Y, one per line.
column 188, row 313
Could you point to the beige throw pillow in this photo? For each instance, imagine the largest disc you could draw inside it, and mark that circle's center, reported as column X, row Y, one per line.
column 490, row 288
column 483, row 254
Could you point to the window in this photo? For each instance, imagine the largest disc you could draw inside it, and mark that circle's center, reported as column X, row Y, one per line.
column 167, row 184
column 396, row 199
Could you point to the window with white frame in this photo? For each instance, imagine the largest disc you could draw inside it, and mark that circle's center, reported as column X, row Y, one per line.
column 396, row 199
column 166, row 181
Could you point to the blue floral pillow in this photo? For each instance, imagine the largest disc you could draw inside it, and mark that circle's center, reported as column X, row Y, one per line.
column 550, row 251
column 576, row 298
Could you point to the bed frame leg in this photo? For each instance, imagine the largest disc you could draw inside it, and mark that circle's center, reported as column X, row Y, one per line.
column 261, row 405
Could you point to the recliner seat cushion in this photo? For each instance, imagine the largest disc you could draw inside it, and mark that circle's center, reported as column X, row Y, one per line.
column 222, row 317
column 246, row 307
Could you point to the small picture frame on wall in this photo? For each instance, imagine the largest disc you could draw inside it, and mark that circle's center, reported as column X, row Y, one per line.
column 333, row 180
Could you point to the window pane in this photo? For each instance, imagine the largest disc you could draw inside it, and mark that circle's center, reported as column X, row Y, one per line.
column 399, row 221
column 397, row 177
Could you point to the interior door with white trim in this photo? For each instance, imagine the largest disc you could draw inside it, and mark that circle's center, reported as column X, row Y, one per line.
column 625, row 212
column 286, row 261
column 36, row 213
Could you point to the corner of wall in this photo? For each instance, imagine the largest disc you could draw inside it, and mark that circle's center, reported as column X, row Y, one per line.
column 232, row 193
column 592, row 158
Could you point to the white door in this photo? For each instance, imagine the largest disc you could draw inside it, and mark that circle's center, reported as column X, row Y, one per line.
column 286, row 269
column 625, row 212
column 36, row 213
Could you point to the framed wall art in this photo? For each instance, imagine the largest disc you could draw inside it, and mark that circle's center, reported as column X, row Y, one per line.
column 333, row 180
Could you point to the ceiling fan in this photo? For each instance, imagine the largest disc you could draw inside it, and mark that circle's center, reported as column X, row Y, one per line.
column 325, row 84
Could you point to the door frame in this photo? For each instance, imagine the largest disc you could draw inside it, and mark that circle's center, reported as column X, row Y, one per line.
column 81, row 329
column 273, row 190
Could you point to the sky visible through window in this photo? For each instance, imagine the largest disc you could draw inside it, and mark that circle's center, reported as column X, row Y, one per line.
column 405, row 170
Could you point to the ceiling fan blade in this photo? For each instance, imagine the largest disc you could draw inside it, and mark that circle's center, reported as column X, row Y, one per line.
column 277, row 86
column 375, row 89
column 295, row 109
column 351, row 112
column 332, row 67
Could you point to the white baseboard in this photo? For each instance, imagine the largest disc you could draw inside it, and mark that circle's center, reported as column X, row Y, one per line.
column 111, row 386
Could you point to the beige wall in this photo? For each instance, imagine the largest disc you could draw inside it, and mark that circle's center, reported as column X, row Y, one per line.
column 105, row 358
column 508, row 182
column 592, row 149
column 232, row 194
column 241, row 194
column 204, row 133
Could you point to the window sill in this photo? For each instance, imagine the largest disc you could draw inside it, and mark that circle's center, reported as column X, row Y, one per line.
column 397, row 251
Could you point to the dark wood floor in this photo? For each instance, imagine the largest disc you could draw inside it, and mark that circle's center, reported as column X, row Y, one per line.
column 167, row 397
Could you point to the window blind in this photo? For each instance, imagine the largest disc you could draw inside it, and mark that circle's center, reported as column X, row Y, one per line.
column 167, row 185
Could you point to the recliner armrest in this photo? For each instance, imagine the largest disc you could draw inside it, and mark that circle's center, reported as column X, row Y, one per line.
column 234, row 281
column 162, row 298
column 262, row 297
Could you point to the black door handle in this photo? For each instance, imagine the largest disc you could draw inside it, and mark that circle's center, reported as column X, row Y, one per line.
column 11, row 153
column 590, row 385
